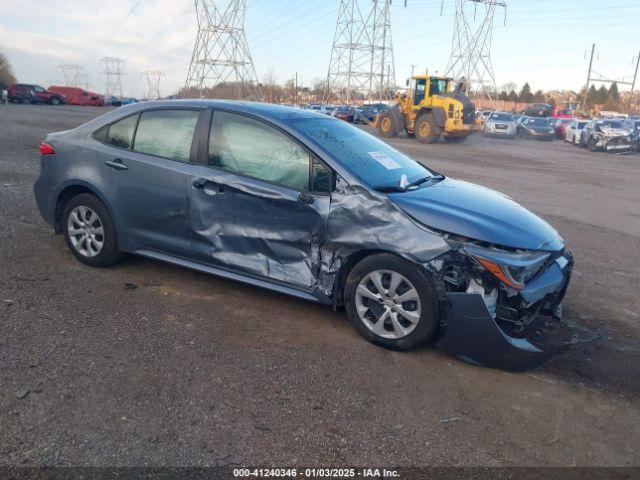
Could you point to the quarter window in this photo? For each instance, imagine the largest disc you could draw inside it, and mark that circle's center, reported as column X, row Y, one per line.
column 166, row 133
column 250, row 147
column 120, row 133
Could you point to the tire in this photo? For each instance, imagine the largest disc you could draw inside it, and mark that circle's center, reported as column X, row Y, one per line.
column 386, row 125
column 423, row 325
column 86, row 249
column 55, row 101
column 591, row 145
column 426, row 129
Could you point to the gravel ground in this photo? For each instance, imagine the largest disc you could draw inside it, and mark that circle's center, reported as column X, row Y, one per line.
column 185, row 369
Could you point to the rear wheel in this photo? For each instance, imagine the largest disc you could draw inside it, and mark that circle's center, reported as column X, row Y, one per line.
column 55, row 101
column 391, row 302
column 426, row 129
column 89, row 231
column 386, row 126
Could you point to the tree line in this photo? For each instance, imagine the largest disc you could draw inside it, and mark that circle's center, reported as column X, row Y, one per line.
column 526, row 95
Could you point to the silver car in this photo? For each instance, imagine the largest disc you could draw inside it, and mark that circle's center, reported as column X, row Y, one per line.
column 500, row 124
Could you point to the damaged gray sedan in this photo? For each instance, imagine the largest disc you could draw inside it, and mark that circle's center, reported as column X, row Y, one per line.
column 307, row 205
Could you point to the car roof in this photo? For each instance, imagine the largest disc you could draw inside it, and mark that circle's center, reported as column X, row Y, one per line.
column 267, row 110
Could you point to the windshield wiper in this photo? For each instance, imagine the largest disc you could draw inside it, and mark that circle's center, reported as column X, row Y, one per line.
column 420, row 181
column 415, row 183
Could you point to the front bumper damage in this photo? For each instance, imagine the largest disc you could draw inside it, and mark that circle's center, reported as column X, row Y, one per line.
column 509, row 338
column 614, row 143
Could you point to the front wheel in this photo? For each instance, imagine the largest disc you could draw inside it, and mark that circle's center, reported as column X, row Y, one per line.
column 426, row 129
column 386, row 126
column 89, row 231
column 391, row 302
column 55, row 101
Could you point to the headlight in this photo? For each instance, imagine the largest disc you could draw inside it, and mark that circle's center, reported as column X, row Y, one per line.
column 511, row 268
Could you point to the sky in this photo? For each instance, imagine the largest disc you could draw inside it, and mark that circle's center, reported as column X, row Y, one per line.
column 543, row 42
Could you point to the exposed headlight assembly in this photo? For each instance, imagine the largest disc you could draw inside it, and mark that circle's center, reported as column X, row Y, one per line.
column 513, row 269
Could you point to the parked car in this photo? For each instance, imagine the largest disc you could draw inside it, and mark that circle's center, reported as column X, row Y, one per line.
column 633, row 125
column 316, row 107
column 371, row 110
column 79, row 96
column 500, row 124
column 538, row 110
column 307, row 205
column 535, row 127
column 607, row 135
column 481, row 117
column 344, row 113
column 573, row 130
column 562, row 113
column 28, row 93
column 117, row 102
column 559, row 125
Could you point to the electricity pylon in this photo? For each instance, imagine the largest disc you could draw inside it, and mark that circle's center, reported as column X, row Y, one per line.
column 153, row 83
column 74, row 75
column 361, row 64
column 471, row 46
column 221, row 52
column 113, row 69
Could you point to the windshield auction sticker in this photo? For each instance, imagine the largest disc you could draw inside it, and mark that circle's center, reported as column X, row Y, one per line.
column 385, row 160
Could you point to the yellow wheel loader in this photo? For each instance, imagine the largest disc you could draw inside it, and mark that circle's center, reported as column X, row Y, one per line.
column 431, row 108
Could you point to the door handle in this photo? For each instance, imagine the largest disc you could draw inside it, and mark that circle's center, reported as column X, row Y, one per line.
column 116, row 164
column 305, row 198
column 199, row 183
column 208, row 187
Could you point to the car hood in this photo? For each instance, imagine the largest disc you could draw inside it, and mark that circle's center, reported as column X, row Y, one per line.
column 613, row 132
column 477, row 212
column 540, row 129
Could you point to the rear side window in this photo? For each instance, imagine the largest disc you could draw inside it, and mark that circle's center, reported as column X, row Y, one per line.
column 120, row 133
column 253, row 148
column 166, row 133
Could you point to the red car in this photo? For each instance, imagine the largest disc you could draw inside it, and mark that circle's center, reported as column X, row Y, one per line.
column 79, row 96
column 27, row 93
column 560, row 125
column 562, row 113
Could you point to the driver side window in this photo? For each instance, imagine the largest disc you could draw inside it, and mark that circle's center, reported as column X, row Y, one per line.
column 251, row 147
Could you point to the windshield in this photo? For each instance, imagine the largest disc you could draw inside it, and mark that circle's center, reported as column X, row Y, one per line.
column 373, row 161
column 610, row 124
column 502, row 117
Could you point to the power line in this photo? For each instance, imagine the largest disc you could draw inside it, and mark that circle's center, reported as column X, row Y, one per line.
column 221, row 52
column 470, row 59
column 113, row 69
column 361, row 61
column 153, row 83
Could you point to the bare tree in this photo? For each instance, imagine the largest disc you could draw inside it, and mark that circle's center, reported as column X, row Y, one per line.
column 6, row 72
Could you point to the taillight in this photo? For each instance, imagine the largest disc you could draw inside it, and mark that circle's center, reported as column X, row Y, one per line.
column 46, row 149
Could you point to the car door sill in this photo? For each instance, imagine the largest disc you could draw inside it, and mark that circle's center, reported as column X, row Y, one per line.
column 220, row 272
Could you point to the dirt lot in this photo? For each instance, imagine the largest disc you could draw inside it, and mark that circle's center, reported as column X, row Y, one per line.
column 187, row 369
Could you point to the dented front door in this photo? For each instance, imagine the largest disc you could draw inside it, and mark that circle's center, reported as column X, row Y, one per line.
column 256, row 228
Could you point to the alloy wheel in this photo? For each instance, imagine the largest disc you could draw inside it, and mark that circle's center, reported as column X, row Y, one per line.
column 388, row 304
column 86, row 231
